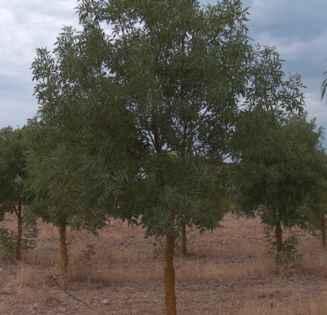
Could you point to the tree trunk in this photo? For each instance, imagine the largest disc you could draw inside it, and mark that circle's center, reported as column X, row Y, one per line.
column 184, row 240
column 63, row 259
column 323, row 230
column 279, row 237
column 170, row 294
column 19, row 215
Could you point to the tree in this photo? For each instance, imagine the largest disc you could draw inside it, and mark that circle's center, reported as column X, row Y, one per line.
column 81, row 142
column 55, row 183
column 180, row 68
column 316, row 206
column 13, row 195
column 324, row 86
column 276, row 173
column 276, row 146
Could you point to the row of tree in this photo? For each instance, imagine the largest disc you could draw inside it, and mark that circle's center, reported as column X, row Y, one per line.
column 163, row 113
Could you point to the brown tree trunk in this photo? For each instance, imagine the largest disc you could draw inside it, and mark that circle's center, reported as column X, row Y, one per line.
column 323, row 230
column 279, row 237
column 184, row 240
column 170, row 294
column 19, row 215
column 63, row 258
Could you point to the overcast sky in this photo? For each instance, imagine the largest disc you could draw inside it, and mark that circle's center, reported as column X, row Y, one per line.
column 297, row 28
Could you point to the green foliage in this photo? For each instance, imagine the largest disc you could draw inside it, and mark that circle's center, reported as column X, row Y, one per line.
column 276, row 147
column 82, row 141
column 316, row 205
column 30, row 235
column 192, row 189
column 12, row 169
column 278, row 171
column 324, row 86
column 289, row 255
column 278, row 163
column 14, row 196
column 269, row 89
column 55, row 184
column 8, row 241
column 7, row 245
column 180, row 68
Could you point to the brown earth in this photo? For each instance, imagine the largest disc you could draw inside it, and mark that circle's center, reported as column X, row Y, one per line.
column 229, row 271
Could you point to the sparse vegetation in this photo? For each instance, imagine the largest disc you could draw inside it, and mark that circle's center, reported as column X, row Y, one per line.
column 228, row 271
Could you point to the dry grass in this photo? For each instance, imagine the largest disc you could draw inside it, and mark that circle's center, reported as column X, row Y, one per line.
column 120, row 272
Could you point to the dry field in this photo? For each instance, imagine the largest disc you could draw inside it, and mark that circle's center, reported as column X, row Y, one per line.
column 119, row 272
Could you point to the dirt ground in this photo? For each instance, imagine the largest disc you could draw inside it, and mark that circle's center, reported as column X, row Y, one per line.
column 229, row 271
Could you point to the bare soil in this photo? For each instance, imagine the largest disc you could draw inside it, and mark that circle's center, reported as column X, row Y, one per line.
column 229, row 271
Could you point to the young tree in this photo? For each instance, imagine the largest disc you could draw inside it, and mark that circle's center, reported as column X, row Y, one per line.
column 54, row 182
column 316, row 207
column 181, row 68
column 82, row 139
column 276, row 172
column 276, row 147
column 13, row 196
column 324, row 86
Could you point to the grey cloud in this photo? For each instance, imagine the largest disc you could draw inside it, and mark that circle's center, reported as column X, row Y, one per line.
column 297, row 28
column 25, row 26
column 288, row 19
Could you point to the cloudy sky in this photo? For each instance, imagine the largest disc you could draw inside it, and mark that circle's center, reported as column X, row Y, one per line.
column 297, row 28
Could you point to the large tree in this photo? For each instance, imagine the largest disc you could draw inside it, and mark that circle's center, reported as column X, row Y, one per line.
column 180, row 67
